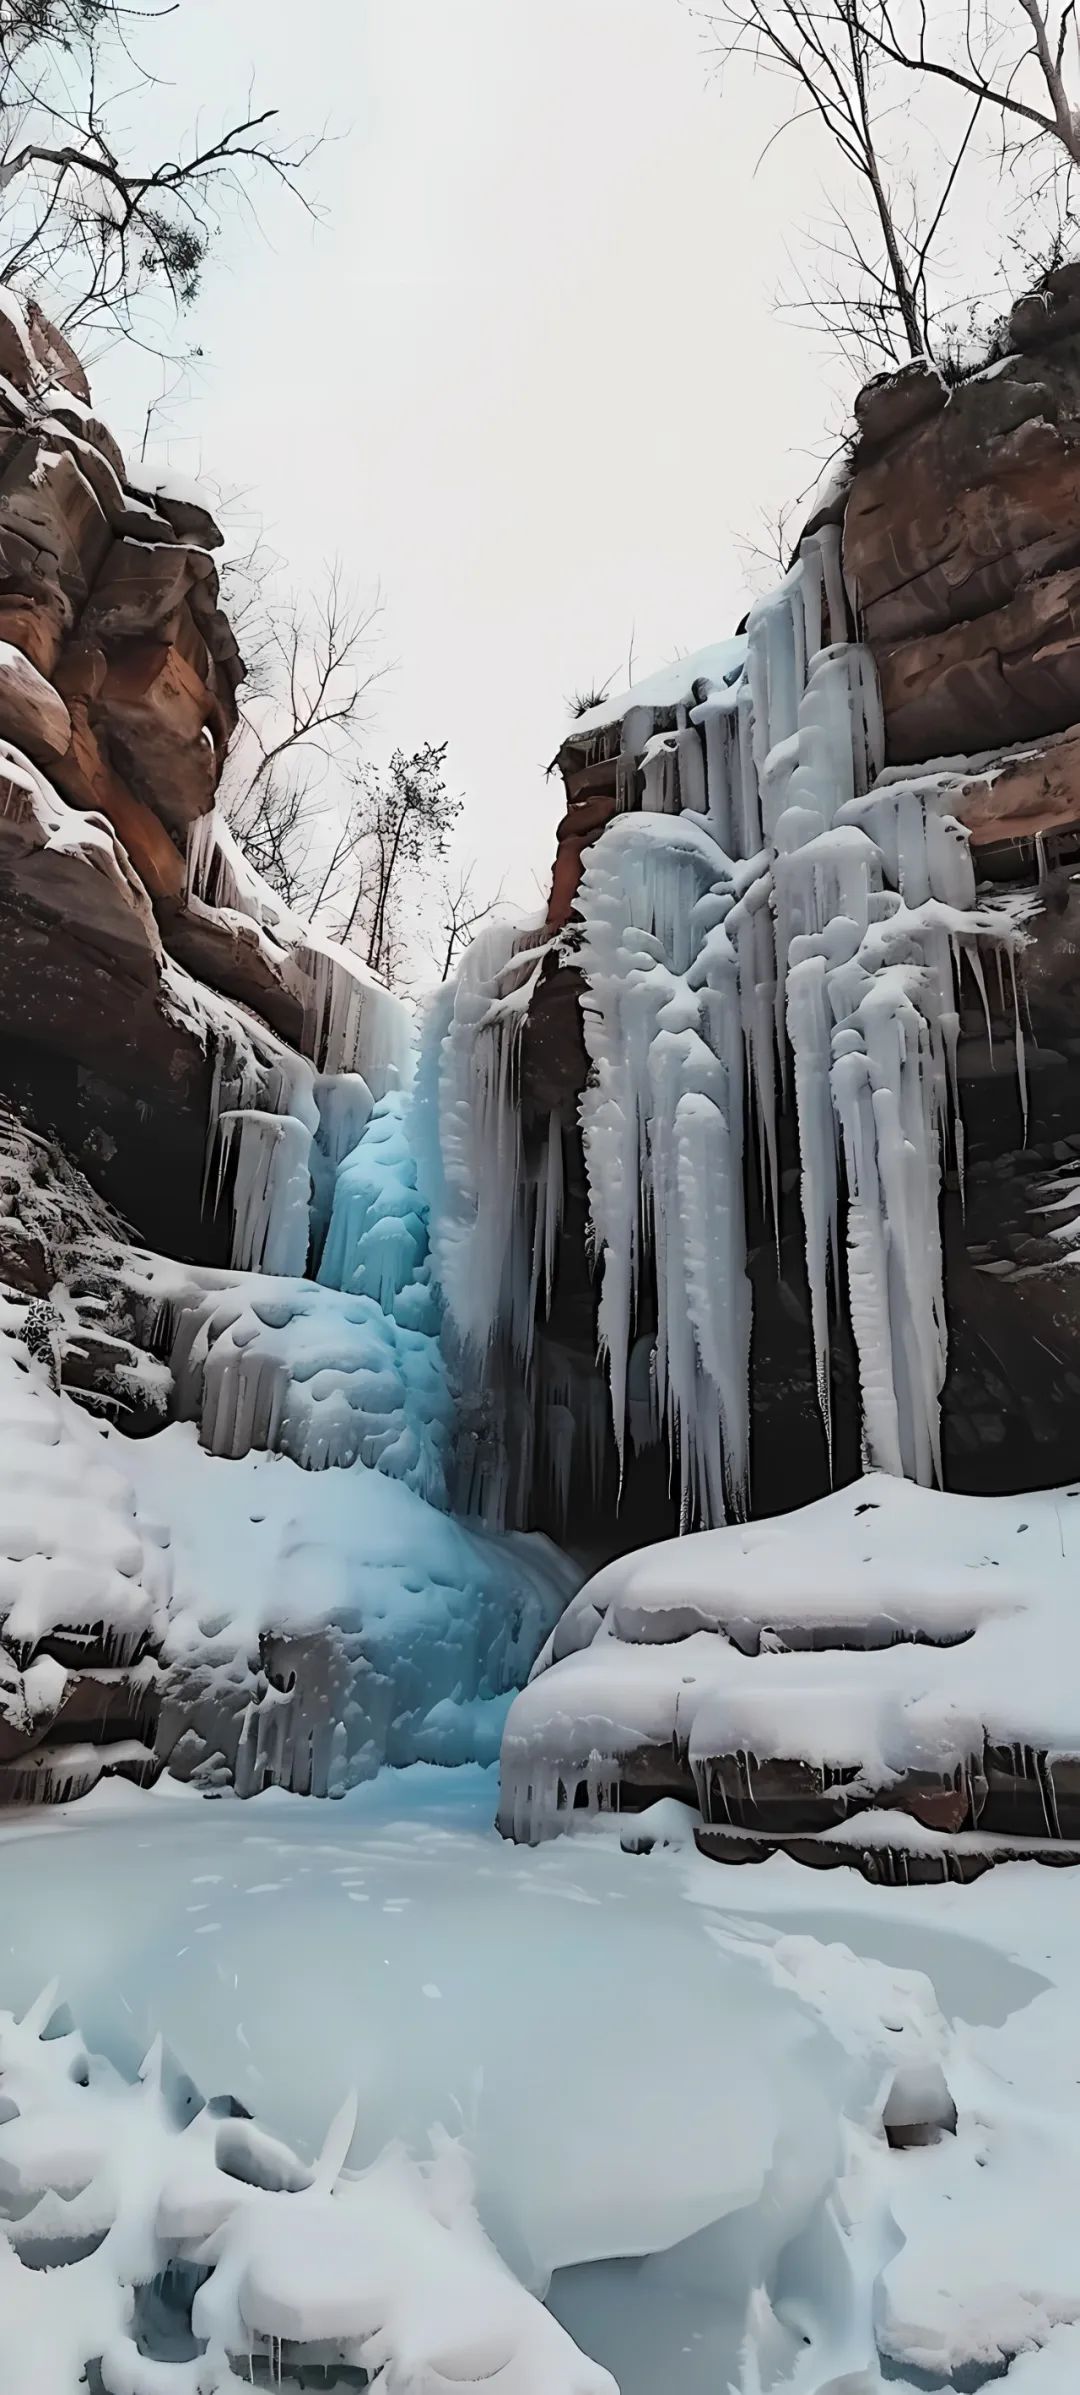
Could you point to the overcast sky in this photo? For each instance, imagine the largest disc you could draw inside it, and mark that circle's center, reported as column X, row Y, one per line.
column 528, row 374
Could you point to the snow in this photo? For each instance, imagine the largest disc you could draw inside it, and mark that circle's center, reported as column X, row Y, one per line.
column 646, row 2057
column 675, row 685
column 887, row 1630
column 73, row 1558
column 386, row 2269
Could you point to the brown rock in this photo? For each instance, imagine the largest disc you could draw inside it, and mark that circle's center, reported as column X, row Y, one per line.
column 554, row 1063
column 189, row 521
column 81, row 670
column 141, row 589
column 581, row 825
column 29, row 572
column 585, row 781
column 36, row 626
column 232, row 954
column 47, row 500
column 1024, row 797
column 892, row 404
column 80, row 419
column 32, row 714
column 54, row 354
column 125, row 517
column 586, row 818
column 164, row 729
column 87, row 780
column 1048, row 313
column 87, row 883
column 1004, row 677
column 950, row 520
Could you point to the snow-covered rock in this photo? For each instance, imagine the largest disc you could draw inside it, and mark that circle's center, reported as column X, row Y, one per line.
column 888, row 1647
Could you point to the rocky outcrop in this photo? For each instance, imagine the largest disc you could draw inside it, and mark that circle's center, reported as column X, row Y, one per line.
column 960, row 514
column 962, row 544
column 131, row 956
column 80, row 1594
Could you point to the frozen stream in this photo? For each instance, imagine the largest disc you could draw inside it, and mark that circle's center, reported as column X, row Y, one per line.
column 629, row 2054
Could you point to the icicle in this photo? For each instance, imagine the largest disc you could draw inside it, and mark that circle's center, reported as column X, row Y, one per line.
column 271, row 1189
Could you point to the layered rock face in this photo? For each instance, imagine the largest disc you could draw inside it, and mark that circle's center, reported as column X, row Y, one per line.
column 145, row 977
column 962, row 545
column 959, row 523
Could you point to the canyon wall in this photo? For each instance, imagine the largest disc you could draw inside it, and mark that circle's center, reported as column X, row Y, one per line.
column 957, row 514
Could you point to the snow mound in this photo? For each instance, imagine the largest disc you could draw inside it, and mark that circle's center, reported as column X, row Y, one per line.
column 134, row 2216
column 889, row 1645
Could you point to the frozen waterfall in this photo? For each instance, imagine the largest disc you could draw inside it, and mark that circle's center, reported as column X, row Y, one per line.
column 769, row 920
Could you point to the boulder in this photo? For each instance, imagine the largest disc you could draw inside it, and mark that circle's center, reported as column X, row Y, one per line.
column 891, row 404
column 126, row 518
column 36, row 626
column 233, row 954
column 54, row 355
column 1048, row 313
column 1027, row 795
column 190, row 520
column 70, row 869
column 29, row 573
column 80, row 418
column 32, row 713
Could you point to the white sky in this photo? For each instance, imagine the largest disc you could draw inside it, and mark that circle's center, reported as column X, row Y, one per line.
column 528, row 375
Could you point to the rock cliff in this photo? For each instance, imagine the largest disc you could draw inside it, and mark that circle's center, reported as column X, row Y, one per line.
column 142, row 969
column 956, row 522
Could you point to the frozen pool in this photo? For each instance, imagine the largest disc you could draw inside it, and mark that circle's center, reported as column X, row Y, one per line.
column 655, row 2112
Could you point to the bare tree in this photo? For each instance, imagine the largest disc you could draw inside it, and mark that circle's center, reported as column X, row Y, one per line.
column 460, row 917
column 89, row 223
column 401, row 824
column 1014, row 58
column 288, row 774
column 873, row 289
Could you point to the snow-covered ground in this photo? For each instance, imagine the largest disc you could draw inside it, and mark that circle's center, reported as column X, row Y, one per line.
column 668, row 2076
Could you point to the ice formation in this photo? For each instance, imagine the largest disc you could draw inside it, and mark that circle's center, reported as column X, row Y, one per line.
column 345, row 1369
column 916, row 1652
column 495, row 1214
column 362, row 1625
column 166, row 2245
column 769, row 912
